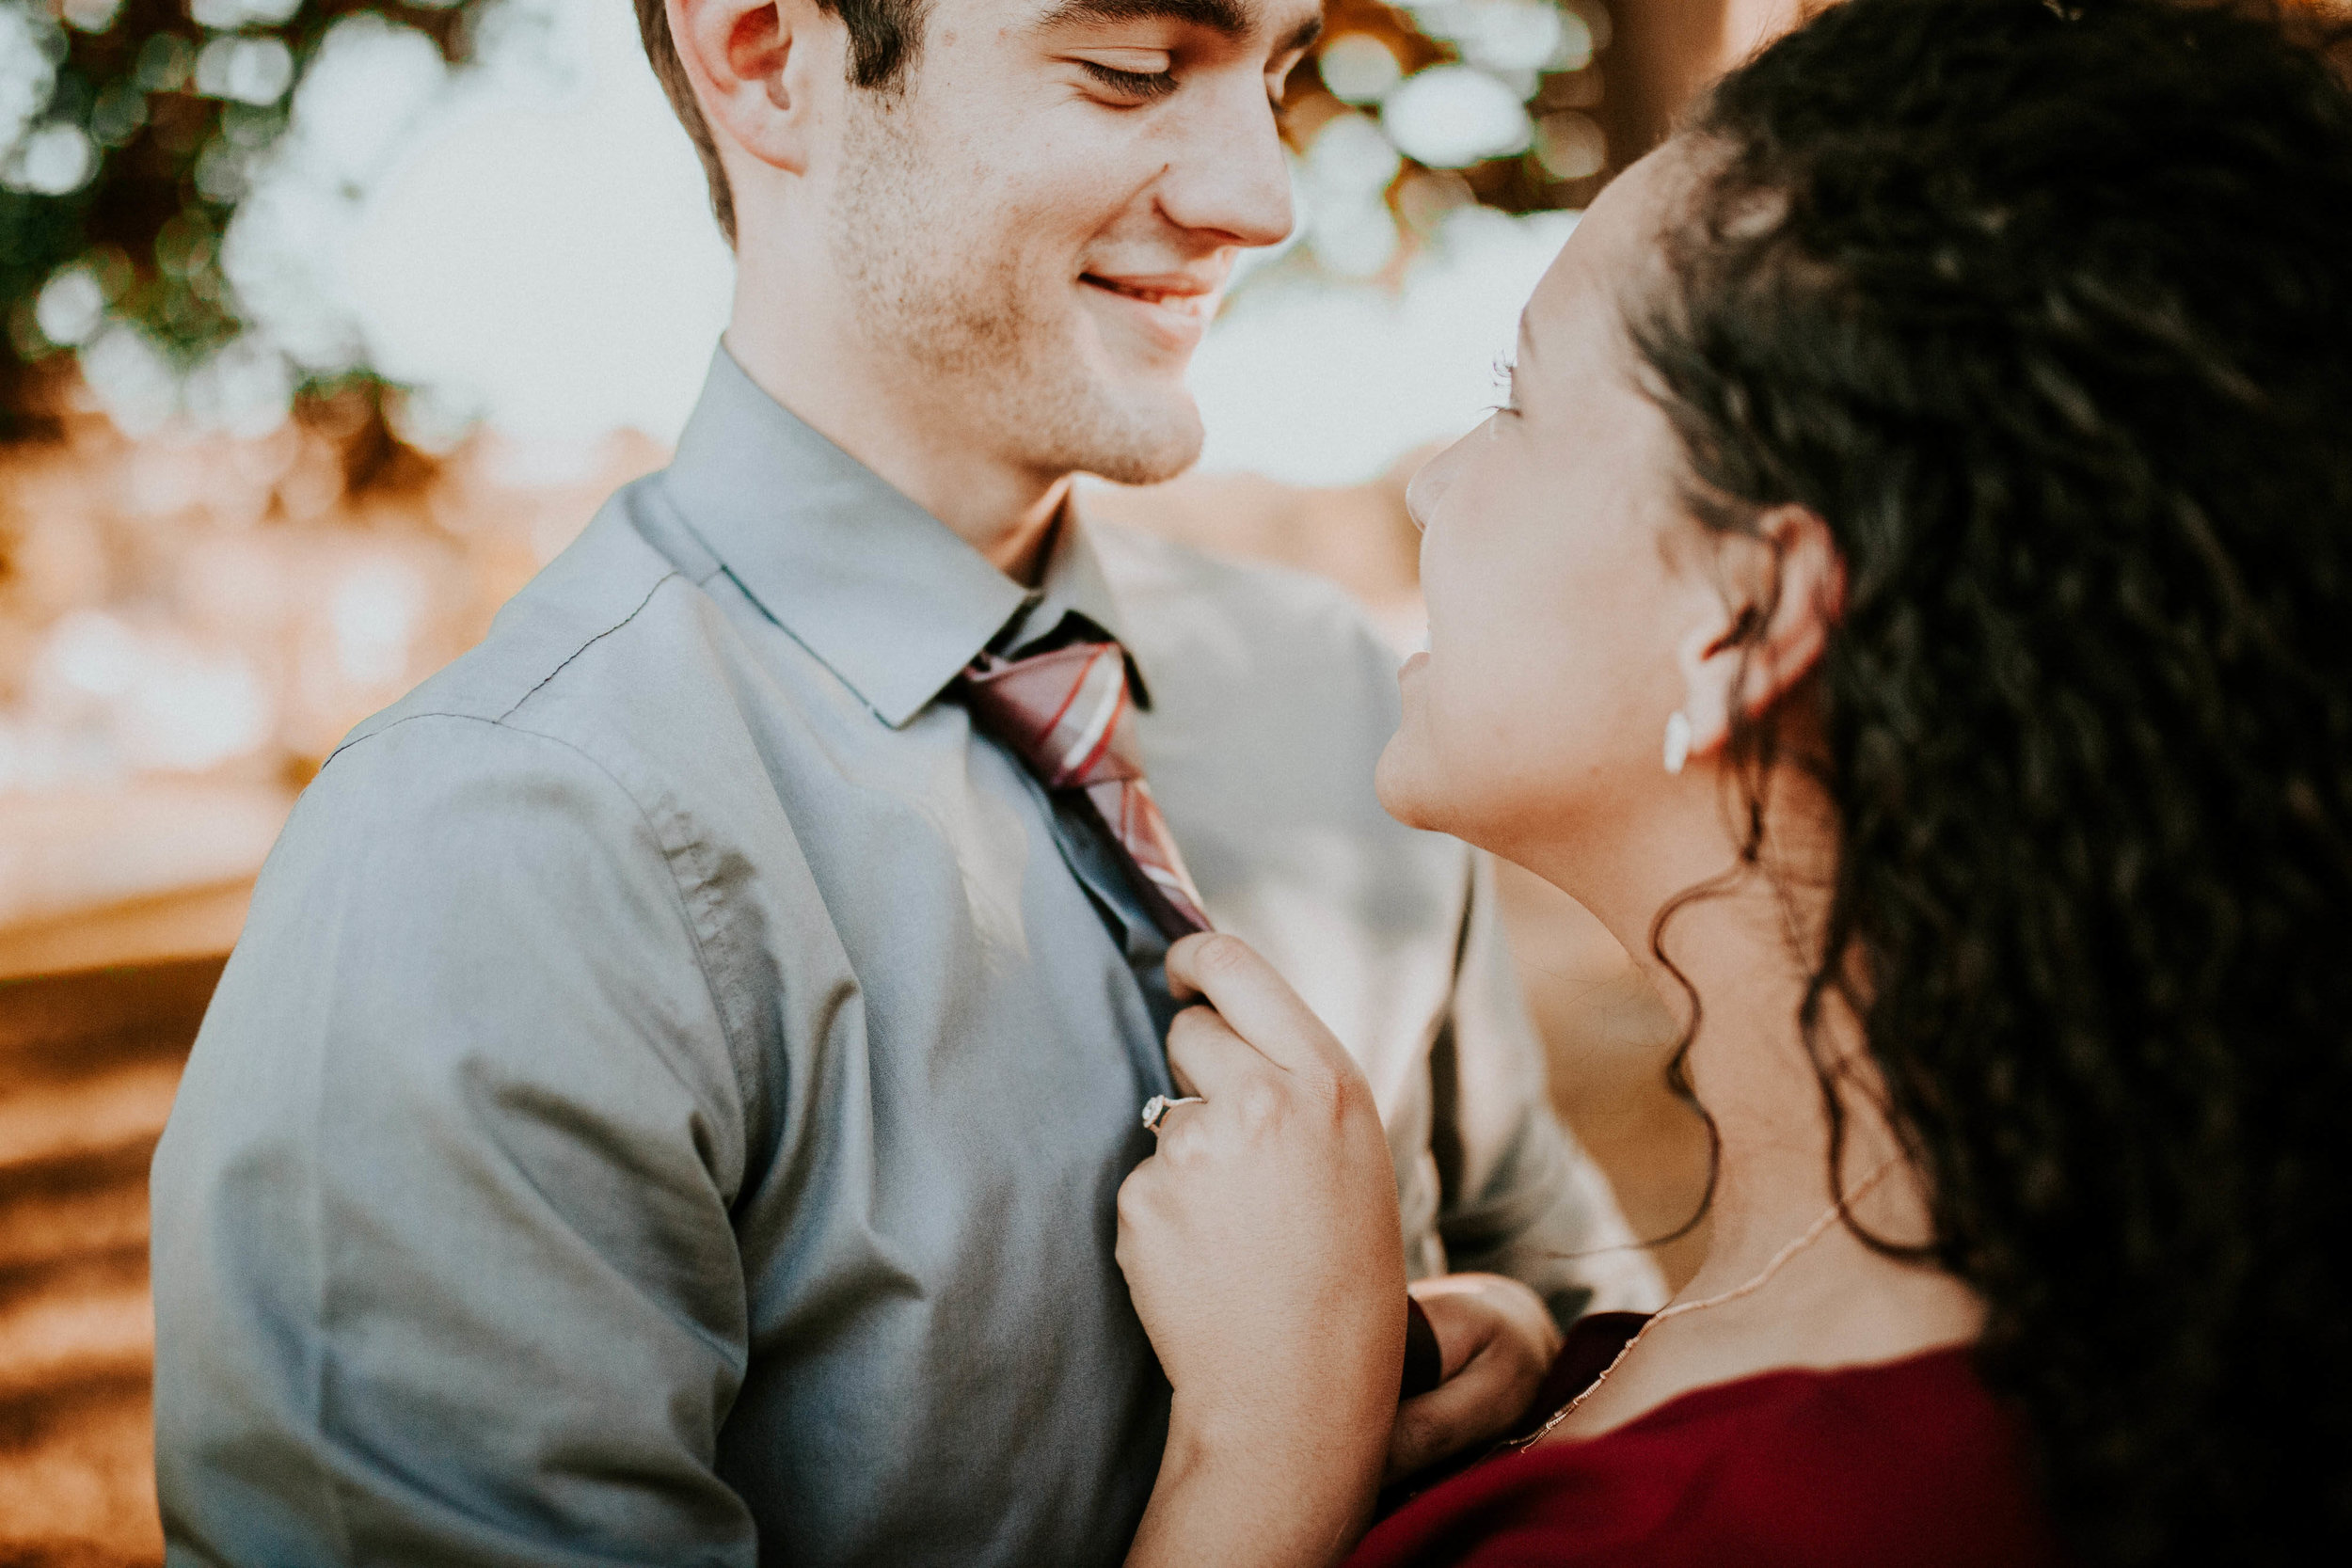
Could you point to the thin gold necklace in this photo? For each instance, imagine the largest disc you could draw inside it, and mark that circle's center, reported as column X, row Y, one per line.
column 1675, row 1309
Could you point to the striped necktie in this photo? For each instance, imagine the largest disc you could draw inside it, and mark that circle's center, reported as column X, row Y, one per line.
column 1065, row 715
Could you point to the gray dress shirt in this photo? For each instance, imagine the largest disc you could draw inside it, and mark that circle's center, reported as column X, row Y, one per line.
column 667, row 1103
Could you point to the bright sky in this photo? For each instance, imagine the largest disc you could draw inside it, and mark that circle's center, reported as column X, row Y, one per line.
column 537, row 244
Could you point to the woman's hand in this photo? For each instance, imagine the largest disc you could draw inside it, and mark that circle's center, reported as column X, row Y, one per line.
column 1497, row 1341
column 1261, row 1245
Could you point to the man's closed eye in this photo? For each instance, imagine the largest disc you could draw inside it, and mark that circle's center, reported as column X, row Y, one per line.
column 1132, row 84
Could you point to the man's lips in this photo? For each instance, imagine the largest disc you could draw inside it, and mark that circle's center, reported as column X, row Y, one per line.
column 1172, row 308
column 1167, row 288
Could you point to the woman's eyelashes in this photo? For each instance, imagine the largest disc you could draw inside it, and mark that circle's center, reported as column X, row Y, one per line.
column 1506, row 375
column 1140, row 87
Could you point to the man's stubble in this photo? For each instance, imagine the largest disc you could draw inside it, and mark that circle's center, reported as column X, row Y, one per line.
column 941, row 290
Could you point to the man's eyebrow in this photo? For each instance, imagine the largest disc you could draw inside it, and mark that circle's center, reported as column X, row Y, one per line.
column 1217, row 16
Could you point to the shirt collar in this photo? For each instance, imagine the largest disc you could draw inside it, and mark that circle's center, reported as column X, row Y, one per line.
column 884, row 593
column 1073, row 584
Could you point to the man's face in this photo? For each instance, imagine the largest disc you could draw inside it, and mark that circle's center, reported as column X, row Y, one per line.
column 1036, row 230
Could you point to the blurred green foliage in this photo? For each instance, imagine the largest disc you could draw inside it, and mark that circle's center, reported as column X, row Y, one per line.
column 129, row 131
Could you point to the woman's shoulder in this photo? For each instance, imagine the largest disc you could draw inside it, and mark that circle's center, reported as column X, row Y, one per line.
column 1909, row 1461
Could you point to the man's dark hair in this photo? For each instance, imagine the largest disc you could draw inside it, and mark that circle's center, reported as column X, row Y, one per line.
column 884, row 37
column 2045, row 307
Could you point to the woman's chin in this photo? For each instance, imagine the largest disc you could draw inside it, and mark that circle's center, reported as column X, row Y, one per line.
column 1402, row 782
column 1421, row 795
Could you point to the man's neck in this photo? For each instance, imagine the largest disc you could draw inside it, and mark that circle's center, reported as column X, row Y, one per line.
column 1004, row 511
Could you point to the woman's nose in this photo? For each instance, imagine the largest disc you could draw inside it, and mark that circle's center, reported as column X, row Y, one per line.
column 1427, row 487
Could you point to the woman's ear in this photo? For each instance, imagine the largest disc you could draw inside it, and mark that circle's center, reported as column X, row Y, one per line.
column 1781, row 590
column 757, row 70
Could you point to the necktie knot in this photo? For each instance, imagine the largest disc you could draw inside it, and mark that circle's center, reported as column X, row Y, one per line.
column 1065, row 715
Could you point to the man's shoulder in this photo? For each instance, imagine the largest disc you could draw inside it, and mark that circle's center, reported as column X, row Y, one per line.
column 612, row 649
column 600, row 587
column 609, row 683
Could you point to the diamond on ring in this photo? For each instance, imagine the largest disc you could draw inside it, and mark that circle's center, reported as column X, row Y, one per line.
column 1160, row 1104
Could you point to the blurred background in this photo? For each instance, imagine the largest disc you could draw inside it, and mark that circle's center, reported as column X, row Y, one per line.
column 328, row 323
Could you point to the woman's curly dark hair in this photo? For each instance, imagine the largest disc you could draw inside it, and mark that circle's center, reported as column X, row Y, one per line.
column 2046, row 309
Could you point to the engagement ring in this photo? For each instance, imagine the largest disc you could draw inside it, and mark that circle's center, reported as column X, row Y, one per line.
column 1159, row 1105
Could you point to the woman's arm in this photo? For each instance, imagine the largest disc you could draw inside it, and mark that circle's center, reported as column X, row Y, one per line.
column 1254, row 1499
column 1261, row 1245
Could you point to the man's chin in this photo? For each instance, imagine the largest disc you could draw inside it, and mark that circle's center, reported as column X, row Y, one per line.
column 1145, row 441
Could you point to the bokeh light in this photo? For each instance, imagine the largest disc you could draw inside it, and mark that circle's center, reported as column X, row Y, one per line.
column 1451, row 117
column 1358, row 67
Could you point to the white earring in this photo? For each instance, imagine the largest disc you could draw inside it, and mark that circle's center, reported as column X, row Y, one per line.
column 1678, row 740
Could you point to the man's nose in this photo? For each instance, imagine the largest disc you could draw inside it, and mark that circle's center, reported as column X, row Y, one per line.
column 1229, row 176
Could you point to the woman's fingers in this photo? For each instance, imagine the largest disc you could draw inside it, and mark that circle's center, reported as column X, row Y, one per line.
column 1256, row 1001
column 1258, row 1241
column 1205, row 1056
column 1498, row 1341
column 1475, row 1405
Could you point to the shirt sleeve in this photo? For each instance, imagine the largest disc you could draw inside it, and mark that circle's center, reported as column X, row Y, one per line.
column 443, row 1265
column 1520, row 1196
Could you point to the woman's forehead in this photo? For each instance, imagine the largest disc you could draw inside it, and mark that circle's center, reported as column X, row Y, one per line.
column 1613, row 251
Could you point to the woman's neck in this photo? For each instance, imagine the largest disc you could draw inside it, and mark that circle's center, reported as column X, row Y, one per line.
column 1760, row 1081
column 1746, row 950
column 1733, row 957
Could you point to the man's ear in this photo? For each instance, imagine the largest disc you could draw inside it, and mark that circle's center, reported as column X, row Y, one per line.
column 1781, row 591
column 759, row 70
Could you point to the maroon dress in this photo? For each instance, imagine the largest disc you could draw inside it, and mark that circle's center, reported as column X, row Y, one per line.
column 1908, row 1462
